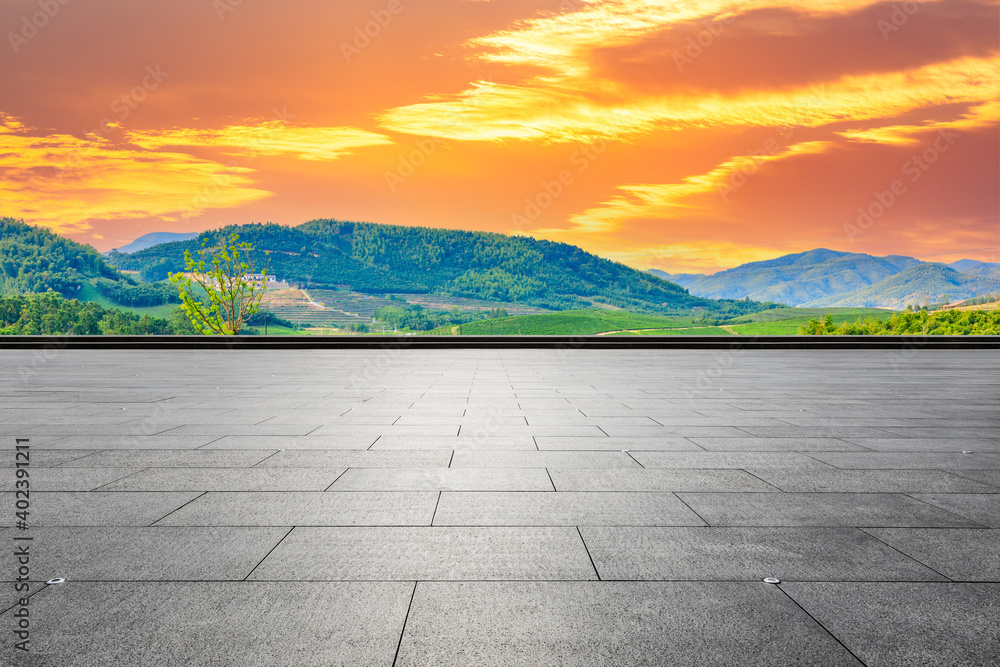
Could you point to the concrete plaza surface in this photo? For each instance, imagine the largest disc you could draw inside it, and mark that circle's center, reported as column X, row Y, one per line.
column 503, row 507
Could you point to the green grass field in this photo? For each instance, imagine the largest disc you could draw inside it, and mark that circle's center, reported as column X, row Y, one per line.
column 90, row 293
column 786, row 321
column 694, row 331
column 778, row 322
column 273, row 330
column 567, row 323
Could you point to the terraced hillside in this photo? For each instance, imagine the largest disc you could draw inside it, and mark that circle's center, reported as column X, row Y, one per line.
column 447, row 302
column 294, row 305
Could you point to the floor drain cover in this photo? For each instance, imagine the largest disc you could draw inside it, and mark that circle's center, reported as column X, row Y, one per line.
column 57, row 580
column 771, row 580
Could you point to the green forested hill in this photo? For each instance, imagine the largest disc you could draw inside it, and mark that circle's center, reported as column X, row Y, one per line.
column 36, row 260
column 386, row 258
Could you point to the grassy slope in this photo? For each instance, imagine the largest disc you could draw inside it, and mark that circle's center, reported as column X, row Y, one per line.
column 694, row 331
column 90, row 293
column 568, row 323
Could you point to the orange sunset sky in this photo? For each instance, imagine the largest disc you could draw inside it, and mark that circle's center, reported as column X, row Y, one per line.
column 686, row 136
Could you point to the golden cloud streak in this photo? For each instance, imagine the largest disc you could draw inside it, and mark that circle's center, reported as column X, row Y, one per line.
column 556, row 42
column 64, row 182
column 269, row 138
column 495, row 112
column 983, row 115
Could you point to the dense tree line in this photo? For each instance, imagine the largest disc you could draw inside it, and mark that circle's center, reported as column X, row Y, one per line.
column 414, row 317
column 262, row 317
column 136, row 295
column 51, row 314
column 934, row 323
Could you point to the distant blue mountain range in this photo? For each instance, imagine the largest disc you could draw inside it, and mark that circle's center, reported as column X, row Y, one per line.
column 155, row 238
column 824, row 277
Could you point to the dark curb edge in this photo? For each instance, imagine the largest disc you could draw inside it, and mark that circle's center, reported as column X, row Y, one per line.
column 500, row 342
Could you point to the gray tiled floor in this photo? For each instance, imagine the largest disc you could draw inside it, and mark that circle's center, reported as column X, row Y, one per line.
column 480, row 507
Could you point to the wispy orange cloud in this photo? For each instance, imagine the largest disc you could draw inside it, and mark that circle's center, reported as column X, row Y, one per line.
column 268, row 138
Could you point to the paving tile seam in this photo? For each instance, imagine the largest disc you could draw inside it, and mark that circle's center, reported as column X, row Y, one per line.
column 276, row 545
column 200, row 495
column 583, row 541
column 97, row 489
column 755, row 476
column 956, row 514
column 66, row 463
column 335, row 480
column 958, row 473
column 436, row 505
column 906, row 555
column 276, row 451
column 688, row 438
column 825, row 629
column 207, row 443
column 31, row 594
